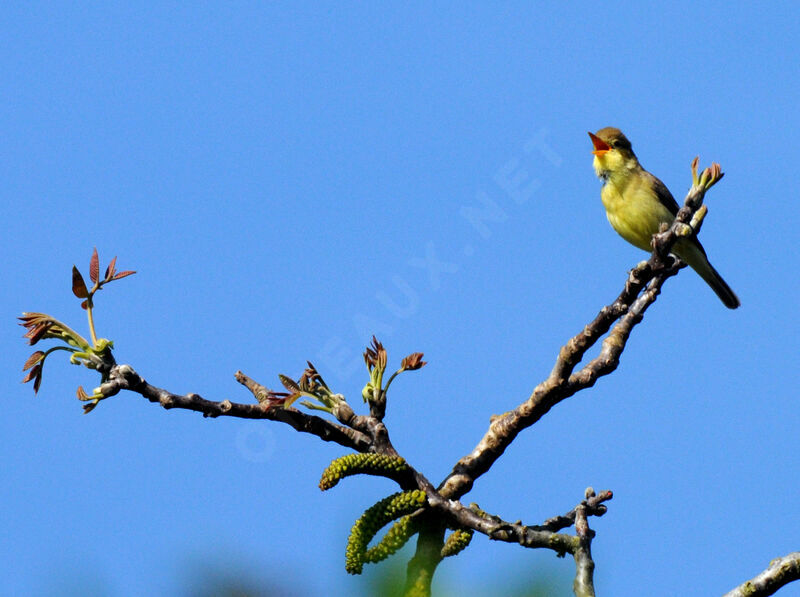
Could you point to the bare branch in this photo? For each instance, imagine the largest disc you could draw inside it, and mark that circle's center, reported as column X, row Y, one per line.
column 505, row 428
column 533, row 536
column 583, row 585
column 123, row 377
column 780, row 572
column 641, row 290
column 593, row 506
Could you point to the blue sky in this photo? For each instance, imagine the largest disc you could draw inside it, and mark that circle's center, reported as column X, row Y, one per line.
column 283, row 175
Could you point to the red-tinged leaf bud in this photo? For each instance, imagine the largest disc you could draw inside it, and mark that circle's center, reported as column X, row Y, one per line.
column 370, row 357
column 32, row 360
column 36, row 324
column 37, row 332
column 289, row 383
column 32, row 373
column 78, row 285
column 28, row 319
column 38, row 379
column 375, row 355
column 94, row 266
column 413, row 362
column 382, row 358
column 111, row 270
column 124, row 274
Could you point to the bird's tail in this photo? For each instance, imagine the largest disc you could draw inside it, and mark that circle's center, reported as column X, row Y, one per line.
column 693, row 254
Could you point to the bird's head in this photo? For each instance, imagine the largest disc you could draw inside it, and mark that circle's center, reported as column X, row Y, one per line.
column 612, row 152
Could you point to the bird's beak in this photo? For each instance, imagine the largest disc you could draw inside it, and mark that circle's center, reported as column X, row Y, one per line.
column 600, row 146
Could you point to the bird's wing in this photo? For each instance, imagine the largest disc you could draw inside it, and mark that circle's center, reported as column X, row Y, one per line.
column 664, row 196
column 667, row 200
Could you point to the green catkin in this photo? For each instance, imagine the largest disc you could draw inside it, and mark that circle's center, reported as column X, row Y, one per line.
column 373, row 520
column 456, row 542
column 393, row 467
column 394, row 539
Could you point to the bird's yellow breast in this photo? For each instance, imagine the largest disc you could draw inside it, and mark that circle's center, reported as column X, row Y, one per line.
column 633, row 209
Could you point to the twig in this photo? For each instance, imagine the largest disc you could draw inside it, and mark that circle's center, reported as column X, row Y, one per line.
column 583, row 585
column 593, row 506
column 123, row 377
column 533, row 536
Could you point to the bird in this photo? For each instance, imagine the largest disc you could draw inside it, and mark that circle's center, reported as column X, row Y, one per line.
column 637, row 204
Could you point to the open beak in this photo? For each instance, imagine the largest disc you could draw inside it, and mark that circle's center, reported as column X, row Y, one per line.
column 600, row 146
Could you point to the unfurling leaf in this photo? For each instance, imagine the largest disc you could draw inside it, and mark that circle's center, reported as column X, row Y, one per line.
column 32, row 360
column 94, row 266
column 41, row 326
column 82, row 395
column 35, row 374
column 30, row 375
column 111, row 270
column 413, row 361
column 291, row 399
column 123, row 274
column 37, row 324
column 375, row 355
column 289, row 383
column 78, row 285
column 312, row 377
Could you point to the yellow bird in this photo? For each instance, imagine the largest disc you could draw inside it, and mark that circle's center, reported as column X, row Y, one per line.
column 637, row 203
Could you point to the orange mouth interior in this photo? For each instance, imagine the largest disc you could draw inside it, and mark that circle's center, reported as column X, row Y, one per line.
column 600, row 146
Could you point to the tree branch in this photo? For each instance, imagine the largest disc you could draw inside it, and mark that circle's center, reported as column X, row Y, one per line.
column 583, row 585
column 538, row 536
column 641, row 290
column 505, row 428
column 780, row 572
column 123, row 377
